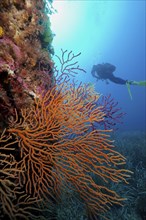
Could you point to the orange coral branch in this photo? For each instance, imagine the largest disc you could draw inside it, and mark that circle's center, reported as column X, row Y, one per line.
column 58, row 145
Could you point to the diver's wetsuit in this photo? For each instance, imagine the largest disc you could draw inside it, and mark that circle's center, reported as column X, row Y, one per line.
column 105, row 71
column 116, row 79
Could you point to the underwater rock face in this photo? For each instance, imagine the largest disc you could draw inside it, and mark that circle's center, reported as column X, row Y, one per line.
column 25, row 65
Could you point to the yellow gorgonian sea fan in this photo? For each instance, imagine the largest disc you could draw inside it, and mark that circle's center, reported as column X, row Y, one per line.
column 58, row 145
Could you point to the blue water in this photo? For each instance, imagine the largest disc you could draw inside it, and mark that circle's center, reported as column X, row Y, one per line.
column 112, row 32
column 108, row 31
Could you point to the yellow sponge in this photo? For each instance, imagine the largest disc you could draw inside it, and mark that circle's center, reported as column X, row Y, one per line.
column 1, row 32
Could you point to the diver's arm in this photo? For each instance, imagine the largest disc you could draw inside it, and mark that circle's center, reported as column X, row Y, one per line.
column 94, row 72
column 94, row 68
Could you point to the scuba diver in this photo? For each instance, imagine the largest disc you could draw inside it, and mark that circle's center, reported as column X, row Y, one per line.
column 105, row 71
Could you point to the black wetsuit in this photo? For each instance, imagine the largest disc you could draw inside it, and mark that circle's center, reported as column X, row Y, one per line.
column 105, row 72
column 117, row 80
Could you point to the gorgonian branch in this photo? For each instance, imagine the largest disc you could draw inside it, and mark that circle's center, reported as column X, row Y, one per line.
column 68, row 66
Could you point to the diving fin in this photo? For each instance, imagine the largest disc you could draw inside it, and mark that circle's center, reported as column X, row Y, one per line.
column 136, row 83
column 141, row 83
column 129, row 91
